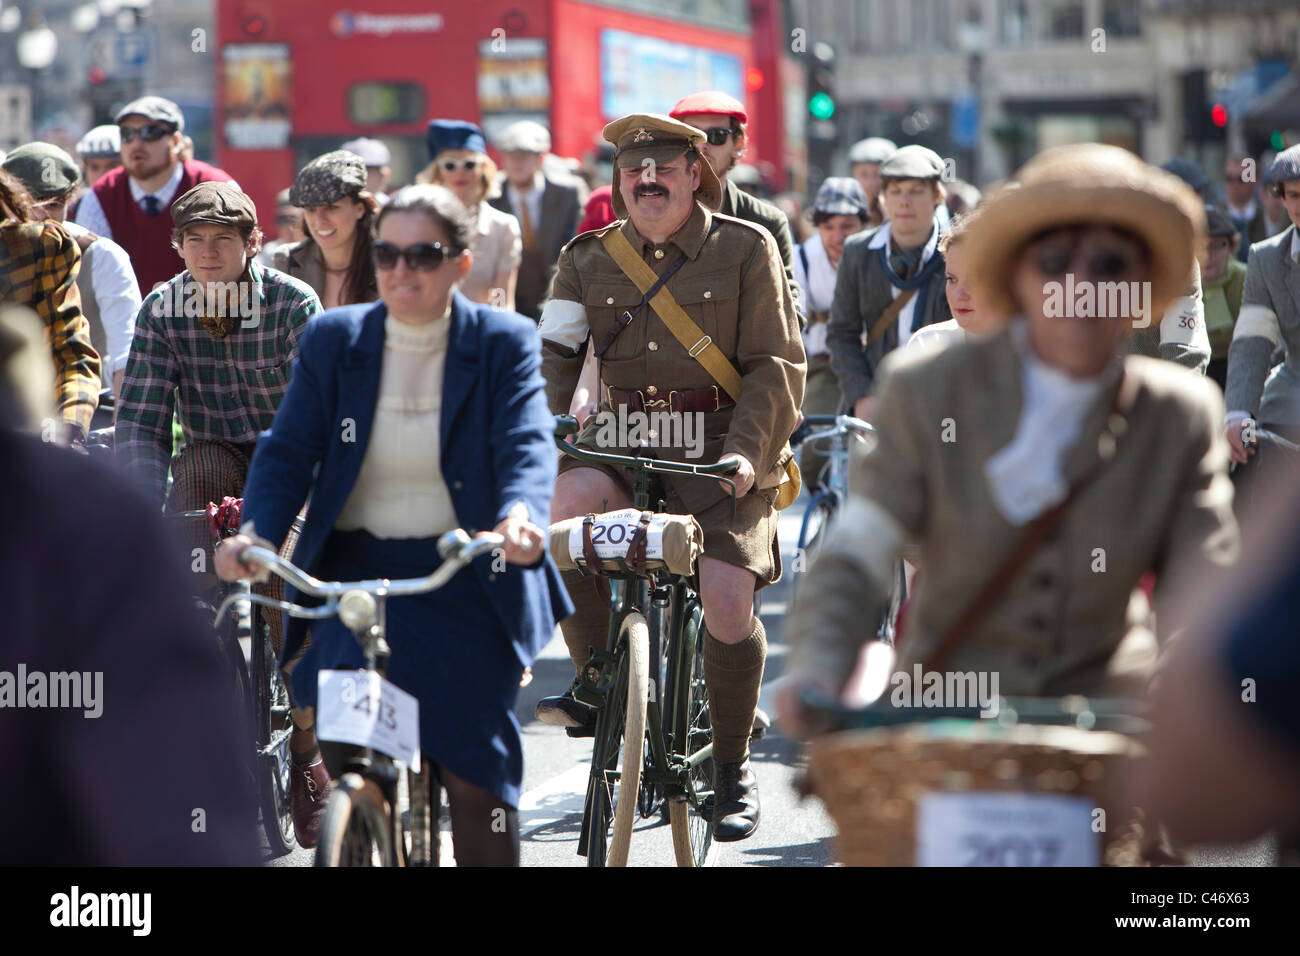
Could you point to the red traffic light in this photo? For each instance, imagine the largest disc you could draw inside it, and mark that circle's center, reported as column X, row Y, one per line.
column 97, row 75
column 754, row 78
column 1219, row 115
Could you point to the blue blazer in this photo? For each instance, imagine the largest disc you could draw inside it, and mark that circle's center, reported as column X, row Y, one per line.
column 496, row 450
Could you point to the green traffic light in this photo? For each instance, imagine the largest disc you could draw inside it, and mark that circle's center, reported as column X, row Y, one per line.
column 821, row 106
column 1276, row 140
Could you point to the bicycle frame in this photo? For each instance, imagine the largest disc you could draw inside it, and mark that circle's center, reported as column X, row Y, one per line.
column 369, row 628
column 669, row 763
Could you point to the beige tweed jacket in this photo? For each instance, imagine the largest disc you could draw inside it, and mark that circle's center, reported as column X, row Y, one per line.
column 1161, row 499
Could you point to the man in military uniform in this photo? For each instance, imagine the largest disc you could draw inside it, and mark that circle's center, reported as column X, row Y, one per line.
column 891, row 279
column 722, row 118
column 727, row 276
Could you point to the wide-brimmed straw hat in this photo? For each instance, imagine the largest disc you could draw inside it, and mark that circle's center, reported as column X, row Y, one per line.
column 1087, row 184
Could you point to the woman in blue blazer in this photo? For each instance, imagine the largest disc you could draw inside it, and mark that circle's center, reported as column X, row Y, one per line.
column 404, row 419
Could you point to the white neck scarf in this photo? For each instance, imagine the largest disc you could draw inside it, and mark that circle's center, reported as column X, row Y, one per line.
column 1027, row 477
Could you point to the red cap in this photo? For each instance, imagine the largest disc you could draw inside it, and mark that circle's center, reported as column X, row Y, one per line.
column 710, row 101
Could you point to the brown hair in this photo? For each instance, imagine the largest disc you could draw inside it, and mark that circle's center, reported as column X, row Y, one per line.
column 438, row 203
column 361, row 266
column 15, row 203
column 956, row 231
column 490, row 189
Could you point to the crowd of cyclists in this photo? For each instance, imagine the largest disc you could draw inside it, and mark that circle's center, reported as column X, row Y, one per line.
column 388, row 368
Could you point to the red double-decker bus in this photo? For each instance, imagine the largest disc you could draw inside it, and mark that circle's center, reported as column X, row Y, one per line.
column 296, row 78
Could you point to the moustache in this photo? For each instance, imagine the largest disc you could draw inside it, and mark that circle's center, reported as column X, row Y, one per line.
column 650, row 189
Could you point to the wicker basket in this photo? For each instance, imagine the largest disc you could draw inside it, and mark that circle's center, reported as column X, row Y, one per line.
column 872, row 781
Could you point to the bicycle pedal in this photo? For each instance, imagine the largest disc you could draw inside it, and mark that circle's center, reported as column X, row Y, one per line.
column 587, row 730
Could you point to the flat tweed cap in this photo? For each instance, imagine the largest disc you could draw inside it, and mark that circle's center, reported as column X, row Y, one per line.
column 220, row 202
column 328, row 179
column 44, row 170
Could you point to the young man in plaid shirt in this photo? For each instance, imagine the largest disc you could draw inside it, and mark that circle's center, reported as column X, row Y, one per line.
column 217, row 343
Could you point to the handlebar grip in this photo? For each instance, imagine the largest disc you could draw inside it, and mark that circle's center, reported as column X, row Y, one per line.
column 565, row 425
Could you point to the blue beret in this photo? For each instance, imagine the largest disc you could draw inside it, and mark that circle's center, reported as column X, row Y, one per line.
column 454, row 134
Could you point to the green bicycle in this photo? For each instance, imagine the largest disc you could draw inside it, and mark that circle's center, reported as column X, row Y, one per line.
column 653, row 743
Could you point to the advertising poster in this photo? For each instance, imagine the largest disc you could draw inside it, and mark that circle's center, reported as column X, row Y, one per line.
column 257, row 87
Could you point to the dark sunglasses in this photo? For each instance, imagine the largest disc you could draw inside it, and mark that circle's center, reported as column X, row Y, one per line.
column 150, row 133
column 422, row 257
column 1104, row 264
column 717, row 135
column 451, row 165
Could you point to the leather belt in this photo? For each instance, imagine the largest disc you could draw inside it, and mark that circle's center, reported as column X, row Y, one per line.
column 651, row 399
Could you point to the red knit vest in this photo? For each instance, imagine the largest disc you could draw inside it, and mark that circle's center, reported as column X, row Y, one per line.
column 147, row 239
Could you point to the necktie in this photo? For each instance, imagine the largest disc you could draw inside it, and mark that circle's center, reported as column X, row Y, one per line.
column 904, row 262
column 151, row 205
column 525, row 221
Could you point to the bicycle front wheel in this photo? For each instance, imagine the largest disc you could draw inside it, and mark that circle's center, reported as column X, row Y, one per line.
column 355, row 829
column 692, row 833
column 272, row 726
column 814, row 527
column 620, row 732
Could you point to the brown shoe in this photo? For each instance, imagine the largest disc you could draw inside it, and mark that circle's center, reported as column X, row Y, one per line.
column 311, row 791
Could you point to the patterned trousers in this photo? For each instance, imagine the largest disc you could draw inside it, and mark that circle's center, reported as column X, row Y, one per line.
column 203, row 473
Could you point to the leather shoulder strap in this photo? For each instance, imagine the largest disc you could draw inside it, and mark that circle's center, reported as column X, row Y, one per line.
column 1030, row 541
column 888, row 316
column 700, row 346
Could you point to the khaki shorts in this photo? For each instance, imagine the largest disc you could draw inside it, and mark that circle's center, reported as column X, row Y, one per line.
column 746, row 541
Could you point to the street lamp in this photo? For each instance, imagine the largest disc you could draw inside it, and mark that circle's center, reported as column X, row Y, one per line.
column 37, row 46
column 972, row 41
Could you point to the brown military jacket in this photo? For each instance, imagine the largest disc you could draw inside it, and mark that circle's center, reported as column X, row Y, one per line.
column 733, row 285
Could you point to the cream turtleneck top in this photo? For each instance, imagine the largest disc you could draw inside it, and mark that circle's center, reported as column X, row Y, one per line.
column 400, row 492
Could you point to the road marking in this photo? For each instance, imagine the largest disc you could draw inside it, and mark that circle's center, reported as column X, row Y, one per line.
column 558, row 797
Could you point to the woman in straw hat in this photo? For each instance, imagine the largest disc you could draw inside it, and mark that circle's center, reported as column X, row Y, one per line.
column 1042, row 443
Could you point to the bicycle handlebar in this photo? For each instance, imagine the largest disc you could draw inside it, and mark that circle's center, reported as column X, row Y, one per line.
column 831, row 425
column 456, row 547
column 566, row 425
column 1114, row 714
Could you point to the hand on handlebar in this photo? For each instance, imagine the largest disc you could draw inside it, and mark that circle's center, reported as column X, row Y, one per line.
column 744, row 478
column 862, row 408
column 228, row 565
column 795, row 718
column 524, row 540
column 1238, row 451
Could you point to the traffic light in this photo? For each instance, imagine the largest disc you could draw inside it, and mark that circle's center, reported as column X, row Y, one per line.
column 1204, row 120
column 821, row 81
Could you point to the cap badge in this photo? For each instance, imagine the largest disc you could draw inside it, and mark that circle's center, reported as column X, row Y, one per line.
column 642, row 135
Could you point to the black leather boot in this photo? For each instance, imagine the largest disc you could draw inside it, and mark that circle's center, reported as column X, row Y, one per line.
column 575, row 717
column 735, row 805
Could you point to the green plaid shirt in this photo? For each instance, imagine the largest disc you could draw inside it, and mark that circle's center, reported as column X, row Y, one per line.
column 223, row 388
column 39, row 263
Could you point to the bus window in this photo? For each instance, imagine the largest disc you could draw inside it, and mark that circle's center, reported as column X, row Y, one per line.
column 374, row 103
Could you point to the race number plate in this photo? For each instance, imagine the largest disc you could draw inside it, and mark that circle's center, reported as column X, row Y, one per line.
column 359, row 707
column 612, row 533
column 1005, row 829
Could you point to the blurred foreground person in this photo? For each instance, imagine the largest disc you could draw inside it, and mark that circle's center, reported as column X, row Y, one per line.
column 109, row 294
column 120, row 732
column 1026, row 462
column 1225, row 749
column 39, row 264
